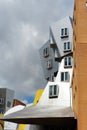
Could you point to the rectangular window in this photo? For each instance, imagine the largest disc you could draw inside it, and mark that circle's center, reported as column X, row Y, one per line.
column 67, row 46
column 52, row 77
column 1, row 111
column 64, row 32
column 67, row 62
column 46, row 52
column 1, row 100
column 53, row 91
column 49, row 64
column 65, row 76
column 62, row 76
column 8, row 104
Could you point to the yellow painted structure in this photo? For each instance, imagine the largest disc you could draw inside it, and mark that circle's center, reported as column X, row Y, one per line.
column 1, row 122
column 21, row 127
column 37, row 96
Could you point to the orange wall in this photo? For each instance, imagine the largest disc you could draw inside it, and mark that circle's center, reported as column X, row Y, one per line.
column 79, row 82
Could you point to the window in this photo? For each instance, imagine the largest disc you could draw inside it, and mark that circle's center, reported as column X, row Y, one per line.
column 53, row 91
column 46, row 52
column 64, row 32
column 8, row 104
column 67, row 46
column 52, row 77
column 1, row 100
column 65, row 76
column 68, row 62
column 49, row 64
column 1, row 111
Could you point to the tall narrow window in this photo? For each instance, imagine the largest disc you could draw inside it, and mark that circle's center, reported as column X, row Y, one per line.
column 50, row 90
column 49, row 64
column 46, row 52
column 66, row 76
column 1, row 100
column 66, row 31
column 62, row 76
column 52, row 77
column 68, row 46
column 1, row 111
column 69, row 61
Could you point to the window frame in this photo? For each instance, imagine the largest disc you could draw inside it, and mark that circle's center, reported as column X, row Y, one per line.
column 46, row 52
column 64, row 32
column 65, row 76
column 52, row 92
column 68, row 62
column 1, row 101
column 67, row 46
column 49, row 64
column 1, row 110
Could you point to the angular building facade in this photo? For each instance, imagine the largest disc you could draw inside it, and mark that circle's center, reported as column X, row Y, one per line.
column 57, row 63
column 56, row 48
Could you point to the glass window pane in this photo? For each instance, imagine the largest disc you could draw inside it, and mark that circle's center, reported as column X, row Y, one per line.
column 65, row 46
column 62, row 32
column 65, row 61
column 66, row 76
column 50, row 91
column 68, row 45
column 65, row 31
column 55, row 90
column 62, row 76
column 69, row 61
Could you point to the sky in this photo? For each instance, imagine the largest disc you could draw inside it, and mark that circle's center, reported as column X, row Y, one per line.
column 24, row 28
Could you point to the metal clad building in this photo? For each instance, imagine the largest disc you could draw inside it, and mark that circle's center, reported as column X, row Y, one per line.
column 49, row 64
column 6, row 99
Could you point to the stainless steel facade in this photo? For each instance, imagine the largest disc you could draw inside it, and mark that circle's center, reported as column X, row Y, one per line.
column 6, row 99
column 48, row 60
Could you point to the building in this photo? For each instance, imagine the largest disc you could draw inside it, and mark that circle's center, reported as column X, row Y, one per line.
column 17, row 106
column 54, row 108
column 57, row 62
column 6, row 99
column 56, row 48
column 17, row 102
column 79, row 82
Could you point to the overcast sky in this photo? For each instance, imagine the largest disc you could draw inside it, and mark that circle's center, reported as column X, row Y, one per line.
column 24, row 28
